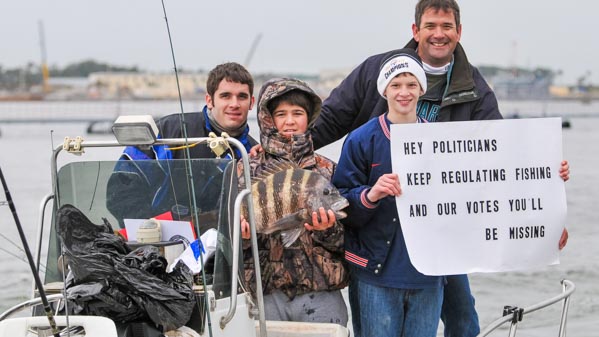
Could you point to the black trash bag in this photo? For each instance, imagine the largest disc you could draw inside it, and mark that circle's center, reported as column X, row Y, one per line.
column 107, row 279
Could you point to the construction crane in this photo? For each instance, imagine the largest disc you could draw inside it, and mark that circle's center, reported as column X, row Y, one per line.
column 252, row 50
column 44, row 66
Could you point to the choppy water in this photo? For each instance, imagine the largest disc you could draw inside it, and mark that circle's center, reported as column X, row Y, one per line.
column 25, row 159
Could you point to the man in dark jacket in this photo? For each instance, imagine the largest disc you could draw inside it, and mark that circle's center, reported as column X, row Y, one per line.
column 456, row 92
column 456, row 89
column 228, row 100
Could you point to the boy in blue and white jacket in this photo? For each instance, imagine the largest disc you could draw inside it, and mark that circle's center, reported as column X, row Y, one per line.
column 394, row 298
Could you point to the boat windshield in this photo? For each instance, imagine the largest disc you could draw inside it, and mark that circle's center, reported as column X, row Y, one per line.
column 120, row 190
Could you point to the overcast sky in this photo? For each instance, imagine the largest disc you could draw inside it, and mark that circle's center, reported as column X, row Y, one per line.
column 304, row 36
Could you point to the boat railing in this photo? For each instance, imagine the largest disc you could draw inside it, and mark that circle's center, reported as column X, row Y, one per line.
column 32, row 303
column 236, row 228
column 515, row 315
column 77, row 145
column 40, row 235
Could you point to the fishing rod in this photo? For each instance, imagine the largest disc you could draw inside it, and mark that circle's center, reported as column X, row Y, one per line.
column 36, row 277
column 189, row 171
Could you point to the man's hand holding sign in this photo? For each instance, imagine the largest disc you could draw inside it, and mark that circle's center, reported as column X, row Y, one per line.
column 481, row 196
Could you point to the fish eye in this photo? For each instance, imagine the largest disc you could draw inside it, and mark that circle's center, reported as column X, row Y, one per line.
column 326, row 191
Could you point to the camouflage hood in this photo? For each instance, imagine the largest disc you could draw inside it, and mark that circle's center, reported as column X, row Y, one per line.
column 298, row 148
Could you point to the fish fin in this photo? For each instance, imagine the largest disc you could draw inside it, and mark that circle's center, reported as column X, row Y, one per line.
column 291, row 221
column 291, row 235
column 273, row 168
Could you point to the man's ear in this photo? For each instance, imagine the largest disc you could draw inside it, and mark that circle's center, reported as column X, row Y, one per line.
column 252, row 101
column 415, row 32
column 209, row 102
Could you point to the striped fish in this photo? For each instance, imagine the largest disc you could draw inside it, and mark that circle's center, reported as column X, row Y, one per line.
column 285, row 196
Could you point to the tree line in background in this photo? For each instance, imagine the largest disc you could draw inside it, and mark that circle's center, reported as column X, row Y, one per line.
column 31, row 75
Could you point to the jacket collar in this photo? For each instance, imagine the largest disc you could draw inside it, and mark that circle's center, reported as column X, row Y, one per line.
column 459, row 77
column 385, row 124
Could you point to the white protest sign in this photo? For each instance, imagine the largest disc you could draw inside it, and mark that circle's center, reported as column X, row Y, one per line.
column 480, row 196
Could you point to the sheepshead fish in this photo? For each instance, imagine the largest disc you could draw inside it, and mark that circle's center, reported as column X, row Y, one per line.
column 285, row 196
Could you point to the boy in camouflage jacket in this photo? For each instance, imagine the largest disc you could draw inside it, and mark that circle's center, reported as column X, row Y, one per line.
column 301, row 282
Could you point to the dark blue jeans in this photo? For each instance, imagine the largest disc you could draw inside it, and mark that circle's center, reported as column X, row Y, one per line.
column 458, row 313
column 393, row 312
column 353, row 296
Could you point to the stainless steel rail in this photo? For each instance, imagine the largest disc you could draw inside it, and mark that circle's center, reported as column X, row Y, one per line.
column 29, row 304
column 224, row 320
column 40, row 234
column 515, row 315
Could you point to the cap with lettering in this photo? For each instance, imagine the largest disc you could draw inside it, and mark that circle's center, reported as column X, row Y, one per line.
column 403, row 61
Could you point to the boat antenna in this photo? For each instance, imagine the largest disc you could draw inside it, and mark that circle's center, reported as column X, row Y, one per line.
column 36, row 277
column 189, row 171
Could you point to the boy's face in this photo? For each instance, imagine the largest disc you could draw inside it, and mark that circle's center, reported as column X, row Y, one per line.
column 230, row 104
column 402, row 94
column 290, row 119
